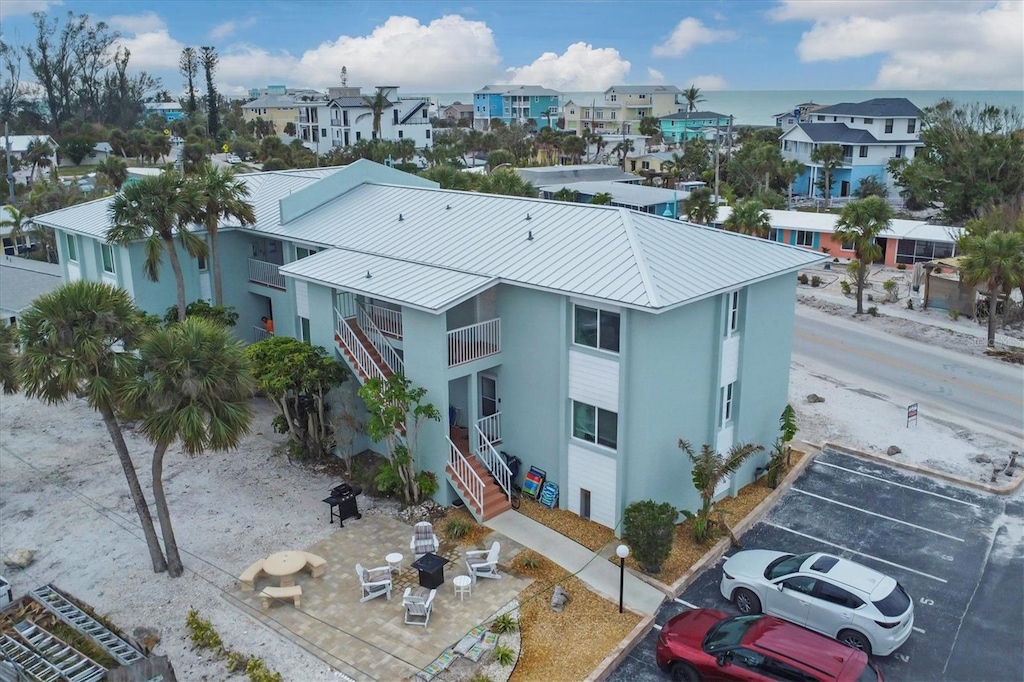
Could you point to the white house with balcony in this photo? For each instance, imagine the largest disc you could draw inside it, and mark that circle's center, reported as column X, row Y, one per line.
column 871, row 133
column 347, row 118
column 586, row 340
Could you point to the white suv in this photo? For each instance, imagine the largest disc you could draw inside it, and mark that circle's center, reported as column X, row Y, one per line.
column 853, row 603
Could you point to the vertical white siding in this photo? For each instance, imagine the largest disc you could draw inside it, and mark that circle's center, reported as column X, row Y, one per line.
column 205, row 288
column 596, row 473
column 594, row 380
column 730, row 360
column 302, row 298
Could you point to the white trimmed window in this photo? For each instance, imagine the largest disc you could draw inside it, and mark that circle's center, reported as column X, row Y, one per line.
column 732, row 323
column 594, row 425
column 728, row 393
column 804, row 238
column 72, row 246
column 107, row 251
column 596, row 328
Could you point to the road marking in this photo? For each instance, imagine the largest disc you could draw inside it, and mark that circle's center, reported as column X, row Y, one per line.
column 853, row 551
column 687, row 604
column 881, row 516
column 908, row 487
column 658, row 627
column 917, row 629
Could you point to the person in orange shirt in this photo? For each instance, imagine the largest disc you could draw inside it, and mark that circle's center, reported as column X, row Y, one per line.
column 268, row 324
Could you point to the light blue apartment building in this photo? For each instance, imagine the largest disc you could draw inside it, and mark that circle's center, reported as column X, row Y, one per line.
column 687, row 125
column 587, row 340
column 516, row 103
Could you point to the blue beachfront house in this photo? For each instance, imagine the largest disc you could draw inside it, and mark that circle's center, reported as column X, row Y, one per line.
column 686, row 125
column 585, row 339
column 871, row 134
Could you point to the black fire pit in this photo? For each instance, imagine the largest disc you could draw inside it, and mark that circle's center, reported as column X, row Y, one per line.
column 431, row 568
column 342, row 501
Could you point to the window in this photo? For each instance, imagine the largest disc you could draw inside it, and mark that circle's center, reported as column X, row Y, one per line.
column 912, row 251
column 869, row 121
column 613, row 98
column 787, row 146
column 595, row 425
column 888, row 125
column 323, row 132
column 572, row 112
column 428, row 134
column 304, row 327
column 107, row 251
column 821, row 118
column 359, row 136
column 800, row 583
column 645, row 165
column 911, row 125
column 613, row 114
column 727, row 398
column 804, row 238
column 584, row 503
column 863, row 151
column 847, row 151
column 837, row 595
column 301, row 252
column 773, row 235
column 597, row 328
column 899, row 151
column 734, row 311
column 72, row 247
column 847, row 246
column 203, row 266
column 401, row 134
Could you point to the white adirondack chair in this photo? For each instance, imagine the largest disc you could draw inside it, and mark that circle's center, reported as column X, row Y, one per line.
column 483, row 563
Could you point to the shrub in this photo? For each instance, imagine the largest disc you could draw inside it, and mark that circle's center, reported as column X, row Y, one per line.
column 257, row 671
column 201, row 632
column 237, row 661
column 456, row 529
column 901, row 266
column 815, row 281
column 504, row 655
column 825, row 250
column 504, row 624
column 954, row 314
column 802, row 278
column 873, row 311
column 845, row 286
column 427, row 481
column 387, row 480
column 527, row 561
column 647, row 528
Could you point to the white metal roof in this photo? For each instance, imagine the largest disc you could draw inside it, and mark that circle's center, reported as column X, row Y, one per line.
column 622, row 193
column 826, row 222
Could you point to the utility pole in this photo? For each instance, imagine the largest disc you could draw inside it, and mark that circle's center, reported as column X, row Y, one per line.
column 10, row 168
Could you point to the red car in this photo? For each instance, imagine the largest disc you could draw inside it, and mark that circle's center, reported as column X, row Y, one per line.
column 704, row 644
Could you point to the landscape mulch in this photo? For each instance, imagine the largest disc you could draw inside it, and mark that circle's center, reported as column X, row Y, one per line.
column 591, row 535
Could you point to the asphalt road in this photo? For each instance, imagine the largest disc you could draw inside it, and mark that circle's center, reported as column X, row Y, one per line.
column 958, row 552
column 954, row 387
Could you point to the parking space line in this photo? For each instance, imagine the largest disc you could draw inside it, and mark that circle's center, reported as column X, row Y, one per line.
column 908, row 487
column 686, row 604
column 658, row 627
column 881, row 516
column 917, row 629
column 847, row 549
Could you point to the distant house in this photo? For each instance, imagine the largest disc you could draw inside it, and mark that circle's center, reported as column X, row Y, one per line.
column 684, row 126
column 516, row 104
column 622, row 108
column 279, row 109
column 653, row 200
column 871, row 134
column 487, row 104
column 346, row 117
column 798, row 114
column 171, row 111
column 18, row 145
column 458, row 111
column 100, row 152
column 550, row 175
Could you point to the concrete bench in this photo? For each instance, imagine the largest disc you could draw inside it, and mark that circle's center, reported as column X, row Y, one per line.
column 271, row 594
column 316, row 564
column 248, row 577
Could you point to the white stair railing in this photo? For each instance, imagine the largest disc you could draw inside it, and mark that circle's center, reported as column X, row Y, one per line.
column 364, row 361
column 263, row 272
column 387, row 352
column 494, row 462
column 490, row 426
column 466, row 475
column 474, row 342
column 388, row 320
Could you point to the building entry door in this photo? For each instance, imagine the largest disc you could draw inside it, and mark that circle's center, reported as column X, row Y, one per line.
column 488, row 395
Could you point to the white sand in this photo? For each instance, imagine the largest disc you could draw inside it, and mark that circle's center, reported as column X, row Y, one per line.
column 63, row 494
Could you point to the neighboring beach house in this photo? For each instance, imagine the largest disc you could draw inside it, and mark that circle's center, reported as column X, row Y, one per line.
column 347, row 117
column 871, row 133
column 687, row 125
column 171, row 111
column 515, row 104
column 457, row 111
column 101, row 151
column 622, row 108
column 587, row 340
column 18, row 147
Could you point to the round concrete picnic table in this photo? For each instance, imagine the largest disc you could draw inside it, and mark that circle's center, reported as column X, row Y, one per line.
column 284, row 565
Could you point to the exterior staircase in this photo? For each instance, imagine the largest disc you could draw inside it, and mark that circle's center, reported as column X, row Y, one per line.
column 368, row 348
column 495, row 501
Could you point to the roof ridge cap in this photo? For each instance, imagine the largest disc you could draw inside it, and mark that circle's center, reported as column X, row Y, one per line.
column 638, row 253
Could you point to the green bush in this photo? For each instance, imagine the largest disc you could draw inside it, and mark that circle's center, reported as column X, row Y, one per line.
column 387, row 480
column 802, row 278
column 257, row 671
column 648, row 527
column 504, row 655
column 845, row 286
column 873, row 311
column 504, row 624
column 954, row 315
column 427, row 481
column 456, row 529
column 201, row 632
column 815, row 281
column 901, row 266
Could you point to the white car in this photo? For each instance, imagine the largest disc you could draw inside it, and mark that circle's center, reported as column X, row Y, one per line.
column 855, row 604
column 234, row 158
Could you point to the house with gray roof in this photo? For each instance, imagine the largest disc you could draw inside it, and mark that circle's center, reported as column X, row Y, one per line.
column 23, row 280
column 871, row 133
column 622, row 108
column 587, row 340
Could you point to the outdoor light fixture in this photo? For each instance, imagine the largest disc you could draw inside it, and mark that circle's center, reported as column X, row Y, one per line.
column 622, row 552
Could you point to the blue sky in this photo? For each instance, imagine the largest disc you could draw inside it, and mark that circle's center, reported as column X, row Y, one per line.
column 570, row 46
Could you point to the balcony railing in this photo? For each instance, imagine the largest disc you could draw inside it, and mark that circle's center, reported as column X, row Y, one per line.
column 388, row 320
column 260, row 333
column 266, row 273
column 339, row 123
column 490, row 427
column 474, row 342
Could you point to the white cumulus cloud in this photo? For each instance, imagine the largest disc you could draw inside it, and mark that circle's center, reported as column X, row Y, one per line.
column 655, row 76
column 10, row 8
column 147, row 22
column 688, row 34
column 707, row 82
column 230, row 27
column 948, row 44
column 581, row 67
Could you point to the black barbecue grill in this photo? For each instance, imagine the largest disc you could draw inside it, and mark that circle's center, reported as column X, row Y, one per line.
column 342, row 501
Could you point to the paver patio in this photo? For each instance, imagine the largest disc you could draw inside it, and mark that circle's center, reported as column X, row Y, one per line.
column 371, row 639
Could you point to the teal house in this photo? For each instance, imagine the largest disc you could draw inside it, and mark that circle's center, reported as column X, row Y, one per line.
column 686, row 125
column 586, row 340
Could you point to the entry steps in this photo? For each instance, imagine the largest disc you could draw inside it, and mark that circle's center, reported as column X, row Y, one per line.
column 28, row 661
column 73, row 666
column 123, row 652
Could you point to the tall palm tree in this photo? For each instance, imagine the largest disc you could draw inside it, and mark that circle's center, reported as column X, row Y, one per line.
column 378, row 103
column 997, row 261
column 699, row 207
column 749, row 217
column 623, row 148
column 693, row 97
column 829, row 157
column 574, row 147
column 506, row 181
column 114, row 169
column 861, row 221
column 17, row 221
column 448, row 177
column 708, row 469
column 9, row 380
column 789, row 171
column 221, row 196
column 601, row 199
column 78, row 341
column 194, row 387
column 38, row 154
column 157, row 209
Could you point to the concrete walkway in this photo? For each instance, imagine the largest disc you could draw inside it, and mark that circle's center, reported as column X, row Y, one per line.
column 600, row 574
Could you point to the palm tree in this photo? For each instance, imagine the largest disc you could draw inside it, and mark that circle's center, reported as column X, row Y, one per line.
column 221, row 196
column 861, row 221
column 997, row 261
column 194, row 387
column 378, row 103
column 789, row 171
column 623, row 148
column 749, row 217
column 448, row 177
column 38, row 154
column 158, row 209
column 566, row 194
column 78, row 341
column 9, row 380
column 16, row 220
column 601, row 199
column 699, row 207
column 709, row 468
column 506, row 181
column 114, row 169
column 574, row 147
column 829, row 157
column 693, row 97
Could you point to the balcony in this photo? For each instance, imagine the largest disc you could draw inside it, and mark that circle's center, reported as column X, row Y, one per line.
column 260, row 333
column 267, row 274
column 339, row 123
column 474, row 342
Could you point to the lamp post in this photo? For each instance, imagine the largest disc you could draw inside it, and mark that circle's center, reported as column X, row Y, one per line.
column 622, row 552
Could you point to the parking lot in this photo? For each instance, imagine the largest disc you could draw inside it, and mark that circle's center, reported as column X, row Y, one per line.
column 958, row 552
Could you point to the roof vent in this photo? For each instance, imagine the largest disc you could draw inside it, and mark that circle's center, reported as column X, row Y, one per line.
column 448, row 207
column 368, row 275
column 400, row 218
column 528, row 216
column 529, row 236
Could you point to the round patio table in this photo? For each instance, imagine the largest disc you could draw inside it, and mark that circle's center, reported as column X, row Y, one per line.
column 284, row 565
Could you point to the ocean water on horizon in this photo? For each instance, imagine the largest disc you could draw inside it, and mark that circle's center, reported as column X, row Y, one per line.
column 758, row 107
